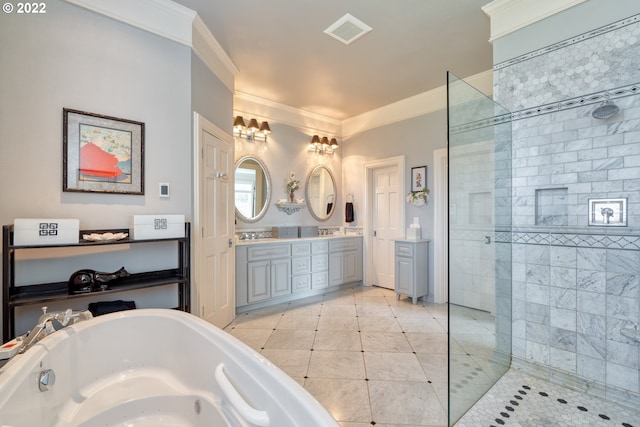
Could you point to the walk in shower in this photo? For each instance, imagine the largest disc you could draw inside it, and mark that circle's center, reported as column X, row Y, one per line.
column 479, row 244
column 548, row 218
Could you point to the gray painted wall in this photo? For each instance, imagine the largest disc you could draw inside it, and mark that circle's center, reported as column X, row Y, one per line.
column 75, row 58
column 415, row 138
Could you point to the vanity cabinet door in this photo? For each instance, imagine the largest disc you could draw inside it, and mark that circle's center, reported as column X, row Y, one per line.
column 336, row 269
column 280, row 277
column 258, row 281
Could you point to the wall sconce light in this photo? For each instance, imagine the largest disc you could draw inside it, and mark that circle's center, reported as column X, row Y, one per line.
column 251, row 132
column 324, row 145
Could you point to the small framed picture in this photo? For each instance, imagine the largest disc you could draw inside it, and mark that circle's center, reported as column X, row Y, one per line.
column 418, row 178
column 102, row 154
column 608, row 212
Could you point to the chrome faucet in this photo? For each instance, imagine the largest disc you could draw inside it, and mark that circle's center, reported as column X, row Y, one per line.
column 45, row 327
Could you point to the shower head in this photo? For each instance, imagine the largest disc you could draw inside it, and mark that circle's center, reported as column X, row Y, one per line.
column 606, row 110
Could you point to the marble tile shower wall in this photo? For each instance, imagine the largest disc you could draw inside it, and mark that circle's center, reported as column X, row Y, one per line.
column 575, row 286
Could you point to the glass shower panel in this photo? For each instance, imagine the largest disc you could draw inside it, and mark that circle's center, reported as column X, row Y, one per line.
column 479, row 244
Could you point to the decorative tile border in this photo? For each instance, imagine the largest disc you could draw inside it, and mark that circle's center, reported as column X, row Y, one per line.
column 590, row 34
column 579, row 101
column 577, row 240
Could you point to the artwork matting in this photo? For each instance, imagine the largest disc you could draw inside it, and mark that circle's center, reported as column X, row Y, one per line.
column 102, row 154
column 418, row 178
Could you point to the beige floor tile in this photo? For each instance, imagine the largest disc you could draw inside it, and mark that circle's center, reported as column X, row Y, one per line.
column 385, row 341
column 291, row 339
column 256, row 321
column 346, row 400
column 371, row 300
column 254, row 338
column 337, row 323
column 393, row 366
column 294, row 362
column 337, row 340
column 435, row 366
column 297, row 321
column 420, row 324
column 338, row 310
column 405, row 402
column 336, row 364
column 386, row 323
column 374, row 310
column 428, row 343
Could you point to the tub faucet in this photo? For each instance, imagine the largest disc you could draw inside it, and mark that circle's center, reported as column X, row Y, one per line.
column 45, row 327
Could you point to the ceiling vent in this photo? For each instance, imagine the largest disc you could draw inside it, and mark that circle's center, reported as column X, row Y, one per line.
column 348, row 29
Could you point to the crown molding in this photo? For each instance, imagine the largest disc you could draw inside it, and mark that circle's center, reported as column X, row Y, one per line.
column 161, row 17
column 507, row 16
column 171, row 21
column 252, row 106
column 417, row 105
column 207, row 48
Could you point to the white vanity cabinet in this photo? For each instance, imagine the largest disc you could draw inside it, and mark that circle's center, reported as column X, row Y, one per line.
column 412, row 268
column 272, row 272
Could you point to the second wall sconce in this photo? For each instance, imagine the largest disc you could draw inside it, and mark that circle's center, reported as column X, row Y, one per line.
column 323, row 145
column 251, row 132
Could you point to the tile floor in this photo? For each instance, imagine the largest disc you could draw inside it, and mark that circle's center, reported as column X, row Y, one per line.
column 373, row 360
column 367, row 357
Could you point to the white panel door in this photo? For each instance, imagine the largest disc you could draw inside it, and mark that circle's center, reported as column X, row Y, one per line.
column 216, row 289
column 387, row 208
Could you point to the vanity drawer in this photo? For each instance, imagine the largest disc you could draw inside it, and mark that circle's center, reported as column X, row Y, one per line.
column 320, row 280
column 268, row 251
column 300, row 265
column 321, row 247
column 319, row 263
column 404, row 250
column 300, row 249
column 342, row 245
column 300, row 283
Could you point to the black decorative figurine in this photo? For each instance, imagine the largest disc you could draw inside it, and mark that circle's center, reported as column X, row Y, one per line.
column 86, row 281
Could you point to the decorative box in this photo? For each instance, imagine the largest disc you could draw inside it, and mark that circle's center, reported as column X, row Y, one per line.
column 308, row 231
column 284, row 232
column 45, row 231
column 147, row 227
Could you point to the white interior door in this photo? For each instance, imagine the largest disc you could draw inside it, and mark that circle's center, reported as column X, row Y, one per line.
column 215, row 259
column 386, row 210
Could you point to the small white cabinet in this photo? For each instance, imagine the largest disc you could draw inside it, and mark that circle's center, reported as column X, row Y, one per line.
column 412, row 268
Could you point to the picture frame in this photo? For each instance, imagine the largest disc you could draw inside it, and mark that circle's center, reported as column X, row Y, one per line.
column 102, row 154
column 418, row 178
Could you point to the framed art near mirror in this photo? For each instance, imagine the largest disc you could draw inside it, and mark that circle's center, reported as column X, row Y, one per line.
column 252, row 189
column 321, row 193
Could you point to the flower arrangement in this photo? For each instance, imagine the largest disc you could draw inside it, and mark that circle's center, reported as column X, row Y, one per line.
column 292, row 185
column 418, row 198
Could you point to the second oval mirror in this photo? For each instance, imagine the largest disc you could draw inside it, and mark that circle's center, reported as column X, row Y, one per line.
column 252, row 189
column 321, row 193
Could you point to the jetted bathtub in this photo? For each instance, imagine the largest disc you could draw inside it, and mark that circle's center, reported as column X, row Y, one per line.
column 150, row 367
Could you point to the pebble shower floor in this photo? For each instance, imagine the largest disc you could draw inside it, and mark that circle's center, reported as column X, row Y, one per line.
column 518, row 399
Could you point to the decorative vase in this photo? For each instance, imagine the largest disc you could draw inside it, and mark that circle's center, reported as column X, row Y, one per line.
column 292, row 196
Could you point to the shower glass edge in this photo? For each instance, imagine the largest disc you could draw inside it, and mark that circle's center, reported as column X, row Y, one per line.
column 480, row 280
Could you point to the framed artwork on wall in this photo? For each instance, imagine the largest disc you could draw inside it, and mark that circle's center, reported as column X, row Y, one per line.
column 102, row 154
column 418, row 178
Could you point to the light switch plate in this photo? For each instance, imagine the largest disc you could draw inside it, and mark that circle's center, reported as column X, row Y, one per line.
column 164, row 190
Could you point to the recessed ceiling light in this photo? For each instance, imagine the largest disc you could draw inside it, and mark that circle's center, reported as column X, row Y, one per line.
column 348, row 29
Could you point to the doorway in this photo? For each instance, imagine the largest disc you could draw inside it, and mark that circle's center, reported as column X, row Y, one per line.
column 214, row 254
column 385, row 218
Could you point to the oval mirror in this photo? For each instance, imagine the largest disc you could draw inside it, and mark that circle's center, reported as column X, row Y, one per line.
column 252, row 189
column 321, row 193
